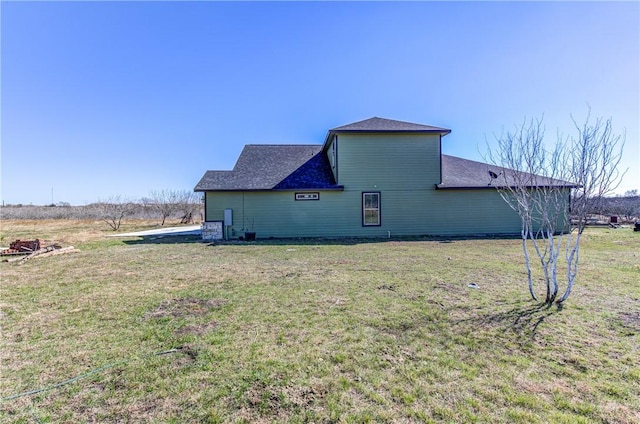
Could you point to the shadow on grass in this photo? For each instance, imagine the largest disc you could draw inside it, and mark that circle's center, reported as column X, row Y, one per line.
column 523, row 320
column 367, row 240
column 451, row 239
column 307, row 241
column 165, row 239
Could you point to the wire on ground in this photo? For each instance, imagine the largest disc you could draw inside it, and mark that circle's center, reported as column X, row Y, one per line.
column 88, row 373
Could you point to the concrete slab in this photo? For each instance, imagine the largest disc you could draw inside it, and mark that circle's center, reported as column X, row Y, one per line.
column 190, row 230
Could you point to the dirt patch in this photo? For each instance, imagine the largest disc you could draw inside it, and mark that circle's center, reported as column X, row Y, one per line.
column 185, row 307
column 196, row 330
column 267, row 400
column 305, row 397
column 631, row 320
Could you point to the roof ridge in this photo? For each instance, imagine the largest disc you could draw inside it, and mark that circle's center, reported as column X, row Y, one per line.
column 377, row 124
column 285, row 145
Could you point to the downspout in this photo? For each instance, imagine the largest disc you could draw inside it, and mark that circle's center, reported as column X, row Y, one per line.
column 335, row 143
column 440, row 157
column 243, row 216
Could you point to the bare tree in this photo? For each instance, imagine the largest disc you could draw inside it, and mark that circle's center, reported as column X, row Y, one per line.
column 165, row 202
column 523, row 159
column 190, row 203
column 169, row 203
column 592, row 163
column 553, row 189
column 113, row 210
column 631, row 204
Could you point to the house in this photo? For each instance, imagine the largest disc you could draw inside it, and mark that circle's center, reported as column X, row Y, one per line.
column 373, row 178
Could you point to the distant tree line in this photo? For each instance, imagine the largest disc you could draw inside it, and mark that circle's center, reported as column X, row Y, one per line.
column 626, row 206
column 181, row 206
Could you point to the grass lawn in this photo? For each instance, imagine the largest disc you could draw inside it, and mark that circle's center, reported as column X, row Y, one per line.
column 176, row 330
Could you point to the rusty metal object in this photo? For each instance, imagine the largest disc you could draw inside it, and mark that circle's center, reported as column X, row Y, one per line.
column 21, row 247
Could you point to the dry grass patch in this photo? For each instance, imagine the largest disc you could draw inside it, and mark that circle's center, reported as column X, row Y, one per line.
column 71, row 231
column 184, row 307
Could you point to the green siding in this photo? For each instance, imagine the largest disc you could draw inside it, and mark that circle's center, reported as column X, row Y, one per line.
column 388, row 161
column 278, row 214
column 404, row 168
column 463, row 212
column 336, row 214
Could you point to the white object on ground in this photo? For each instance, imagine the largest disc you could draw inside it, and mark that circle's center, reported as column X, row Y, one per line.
column 168, row 231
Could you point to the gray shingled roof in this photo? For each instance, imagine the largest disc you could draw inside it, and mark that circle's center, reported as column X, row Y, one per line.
column 272, row 167
column 458, row 173
column 376, row 124
column 305, row 167
column 381, row 125
column 299, row 167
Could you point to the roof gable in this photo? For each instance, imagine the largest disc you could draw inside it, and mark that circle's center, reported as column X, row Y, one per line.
column 269, row 167
column 313, row 174
column 265, row 165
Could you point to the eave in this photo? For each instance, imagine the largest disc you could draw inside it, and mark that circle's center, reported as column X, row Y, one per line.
column 264, row 190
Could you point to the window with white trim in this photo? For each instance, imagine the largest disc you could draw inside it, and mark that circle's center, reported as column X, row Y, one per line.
column 370, row 209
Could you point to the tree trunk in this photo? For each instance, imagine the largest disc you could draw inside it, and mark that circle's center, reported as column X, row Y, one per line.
column 528, row 264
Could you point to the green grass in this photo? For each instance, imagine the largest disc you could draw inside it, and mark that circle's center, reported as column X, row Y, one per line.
column 311, row 331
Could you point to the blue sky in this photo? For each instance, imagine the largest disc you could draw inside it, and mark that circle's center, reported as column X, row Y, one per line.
column 107, row 98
